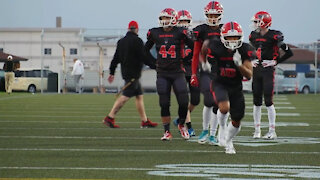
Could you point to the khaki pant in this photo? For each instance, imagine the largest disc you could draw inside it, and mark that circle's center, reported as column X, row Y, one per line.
column 9, row 77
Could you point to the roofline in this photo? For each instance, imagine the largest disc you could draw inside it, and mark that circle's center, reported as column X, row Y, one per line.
column 40, row 29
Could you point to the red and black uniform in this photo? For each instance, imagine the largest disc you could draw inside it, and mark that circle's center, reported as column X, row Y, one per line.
column 227, row 81
column 267, row 48
column 187, row 61
column 169, row 67
column 201, row 33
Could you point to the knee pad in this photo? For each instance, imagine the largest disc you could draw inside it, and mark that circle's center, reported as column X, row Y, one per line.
column 195, row 98
column 268, row 100
column 257, row 100
column 164, row 102
column 208, row 99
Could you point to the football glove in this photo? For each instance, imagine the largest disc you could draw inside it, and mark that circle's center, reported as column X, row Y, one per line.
column 206, row 66
column 255, row 62
column 194, row 80
column 237, row 58
column 267, row 63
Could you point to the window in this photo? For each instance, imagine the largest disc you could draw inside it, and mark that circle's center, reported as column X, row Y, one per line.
column 47, row 51
column 290, row 74
column 73, row 51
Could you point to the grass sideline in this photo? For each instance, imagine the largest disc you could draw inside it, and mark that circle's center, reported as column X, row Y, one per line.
column 61, row 136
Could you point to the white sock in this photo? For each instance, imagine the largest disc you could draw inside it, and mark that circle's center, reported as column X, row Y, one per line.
column 213, row 124
column 272, row 118
column 206, row 116
column 257, row 118
column 222, row 119
column 231, row 131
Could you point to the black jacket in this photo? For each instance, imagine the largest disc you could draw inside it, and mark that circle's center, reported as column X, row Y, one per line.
column 131, row 54
column 8, row 66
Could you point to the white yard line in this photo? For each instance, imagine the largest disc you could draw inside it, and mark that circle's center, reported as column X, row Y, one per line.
column 134, row 117
column 276, row 107
column 79, row 168
column 151, row 150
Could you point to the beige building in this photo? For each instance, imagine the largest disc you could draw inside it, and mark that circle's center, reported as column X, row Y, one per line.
column 42, row 45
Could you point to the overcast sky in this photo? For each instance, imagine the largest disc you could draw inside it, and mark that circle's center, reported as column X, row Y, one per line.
column 297, row 19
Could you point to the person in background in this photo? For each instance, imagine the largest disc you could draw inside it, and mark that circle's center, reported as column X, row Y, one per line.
column 77, row 73
column 130, row 53
column 9, row 74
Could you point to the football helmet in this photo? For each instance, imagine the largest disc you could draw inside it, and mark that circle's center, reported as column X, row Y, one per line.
column 232, row 30
column 261, row 19
column 184, row 15
column 213, row 13
column 168, row 12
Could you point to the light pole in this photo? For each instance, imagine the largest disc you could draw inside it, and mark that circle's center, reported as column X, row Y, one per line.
column 316, row 67
column 64, row 90
column 101, row 88
column 41, row 83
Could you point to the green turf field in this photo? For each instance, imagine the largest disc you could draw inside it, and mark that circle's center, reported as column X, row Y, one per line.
column 61, row 136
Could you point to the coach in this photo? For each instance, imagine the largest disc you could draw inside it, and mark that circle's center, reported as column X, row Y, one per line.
column 130, row 53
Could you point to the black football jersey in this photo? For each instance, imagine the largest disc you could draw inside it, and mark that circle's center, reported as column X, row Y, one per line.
column 204, row 31
column 226, row 72
column 266, row 46
column 169, row 46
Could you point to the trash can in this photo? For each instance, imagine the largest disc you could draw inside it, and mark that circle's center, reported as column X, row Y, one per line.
column 53, row 82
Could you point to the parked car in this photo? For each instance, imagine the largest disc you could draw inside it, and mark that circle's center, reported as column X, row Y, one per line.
column 247, row 84
column 30, row 80
column 2, row 80
column 299, row 81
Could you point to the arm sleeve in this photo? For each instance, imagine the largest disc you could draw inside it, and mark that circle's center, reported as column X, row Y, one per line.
column 115, row 61
column 195, row 58
column 287, row 52
column 148, row 46
column 279, row 38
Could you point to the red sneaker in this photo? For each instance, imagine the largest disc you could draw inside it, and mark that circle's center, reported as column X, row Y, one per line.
column 148, row 123
column 166, row 136
column 110, row 122
column 183, row 131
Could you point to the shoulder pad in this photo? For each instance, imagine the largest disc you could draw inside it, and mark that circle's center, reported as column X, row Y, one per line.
column 277, row 36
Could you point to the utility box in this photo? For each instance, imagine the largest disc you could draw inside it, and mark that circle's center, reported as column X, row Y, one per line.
column 53, row 82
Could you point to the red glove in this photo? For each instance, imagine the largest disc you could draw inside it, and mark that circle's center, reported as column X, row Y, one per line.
column 110, row 78
column 194, row 80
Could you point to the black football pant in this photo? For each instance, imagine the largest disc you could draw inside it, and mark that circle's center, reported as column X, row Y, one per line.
column 263, row 84
column 194, row 93
column 234, row 95
column 206, row 90
column 165, row 81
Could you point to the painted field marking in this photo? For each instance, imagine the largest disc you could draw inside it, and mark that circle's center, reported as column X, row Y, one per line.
column 243, row 123
column 239, row 140
column 276, row 107
column 86, row 116
column 222, row 171
column 151, row 150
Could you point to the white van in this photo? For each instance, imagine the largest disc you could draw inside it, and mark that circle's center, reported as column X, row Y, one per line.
column 30, row 80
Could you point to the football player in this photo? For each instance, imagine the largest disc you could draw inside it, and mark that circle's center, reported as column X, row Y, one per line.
column 267, row 43
column 184, row 19
column 210, row 30
column 232, row 59
column 168, row 40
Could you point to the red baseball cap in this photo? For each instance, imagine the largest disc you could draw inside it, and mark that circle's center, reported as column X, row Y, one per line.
column 133, row 25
